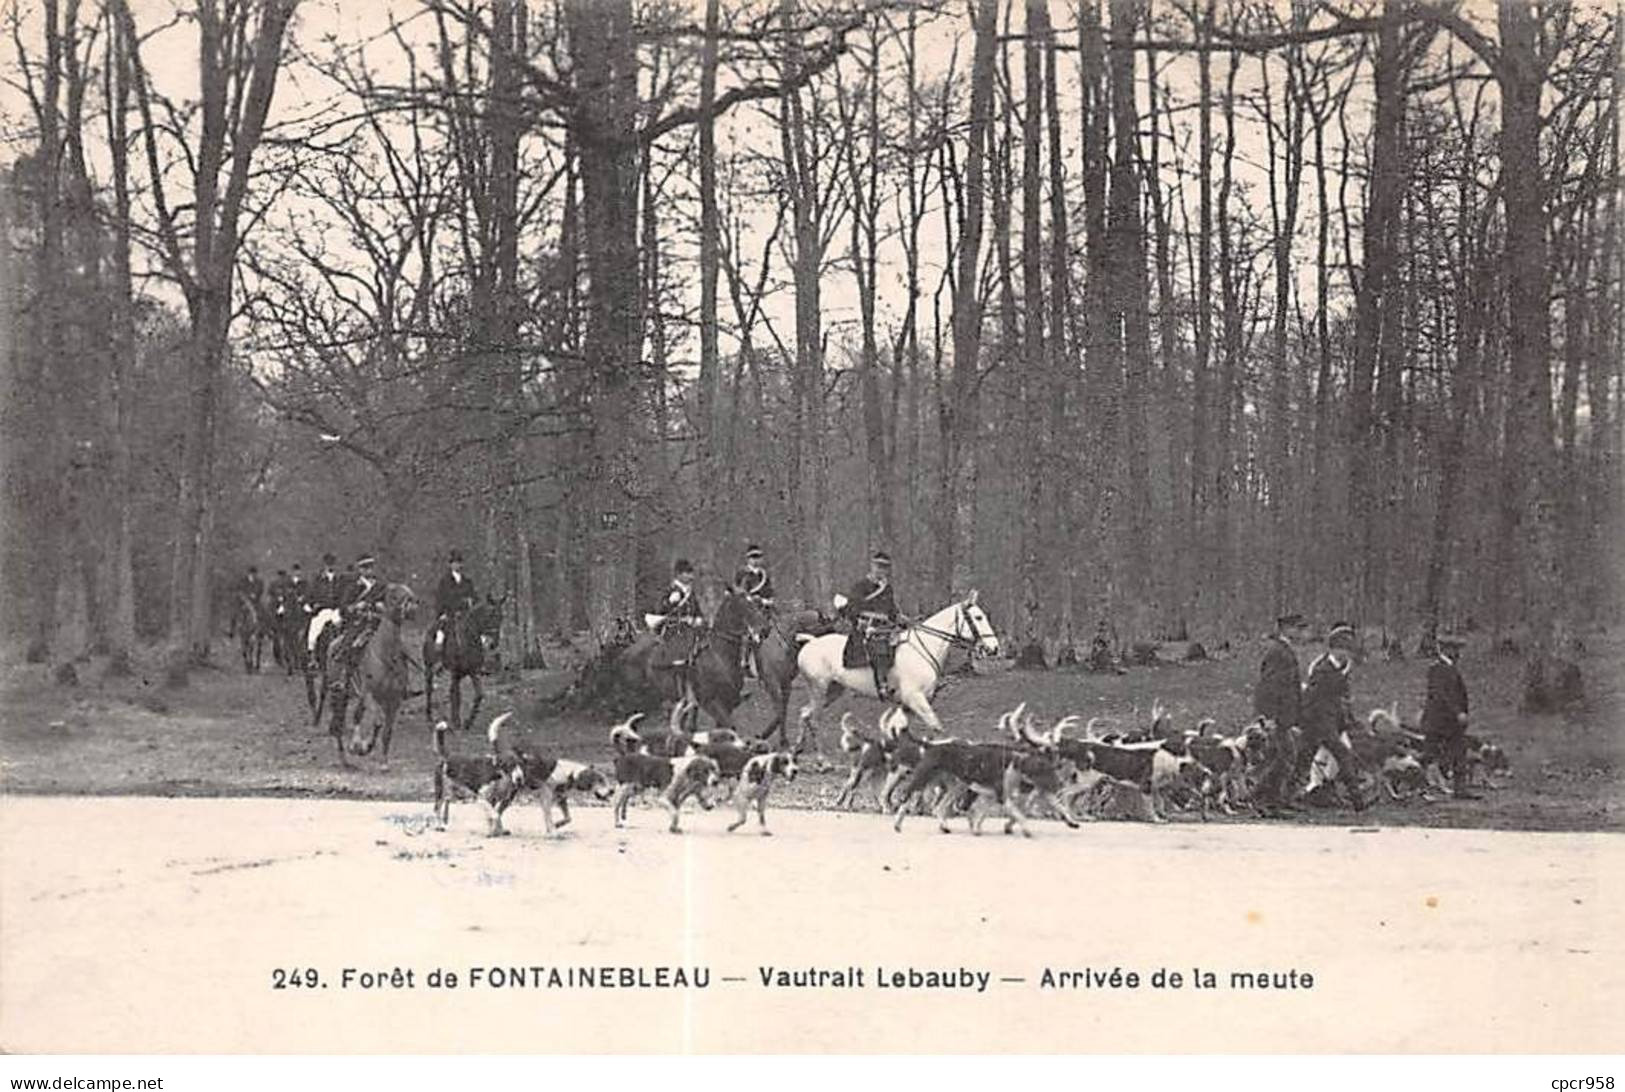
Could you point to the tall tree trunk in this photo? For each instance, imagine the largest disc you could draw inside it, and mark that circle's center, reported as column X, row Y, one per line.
column 1036, row 383
column 121, row 627
column 1196, row 549
column 1131, row 306
column 1058, row 465
column 1530, row 465
column 956, row 533
column 710, row 249
column 601, row 50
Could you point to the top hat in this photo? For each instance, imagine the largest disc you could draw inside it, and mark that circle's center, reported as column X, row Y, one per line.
column 455, row 557
column 683, row 568
column 1340, row 636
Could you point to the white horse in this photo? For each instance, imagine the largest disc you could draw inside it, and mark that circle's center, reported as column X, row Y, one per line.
column 916, row 669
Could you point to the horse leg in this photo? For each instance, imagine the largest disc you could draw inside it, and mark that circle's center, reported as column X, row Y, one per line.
column 916, row 701
column 479, row 696
column 428, row 685
column 456, row 698
column 390, row 709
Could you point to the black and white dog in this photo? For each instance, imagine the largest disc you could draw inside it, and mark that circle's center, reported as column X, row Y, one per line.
column 756, row 780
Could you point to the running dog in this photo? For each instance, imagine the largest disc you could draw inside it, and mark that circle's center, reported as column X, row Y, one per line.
column 676, row 779
column 756, row 780
column 490, row 779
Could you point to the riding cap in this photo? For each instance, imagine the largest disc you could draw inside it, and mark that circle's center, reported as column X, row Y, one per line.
column 329, row 559
column 455, row 557
column 296, row 567
column 1342, row 635
column 282, row 572
column 1450, row 640
column 365, row 559
column 1293, row 619
column 752, row 553
column 882, row 558
column 683, row 568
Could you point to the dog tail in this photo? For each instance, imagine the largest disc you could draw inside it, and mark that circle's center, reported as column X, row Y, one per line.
column 440, row 727
column 624, row 738
column 494, row 733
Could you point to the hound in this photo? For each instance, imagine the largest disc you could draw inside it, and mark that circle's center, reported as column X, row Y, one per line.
column 676, row 779
column 757, row 780
column 491, row 780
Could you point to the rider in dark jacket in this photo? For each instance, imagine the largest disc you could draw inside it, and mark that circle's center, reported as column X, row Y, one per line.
column 871, row 608
column 454, row 596
column 753, row 582
column 679, row 618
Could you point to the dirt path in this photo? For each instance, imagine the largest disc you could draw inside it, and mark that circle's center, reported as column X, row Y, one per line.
column 142, row 924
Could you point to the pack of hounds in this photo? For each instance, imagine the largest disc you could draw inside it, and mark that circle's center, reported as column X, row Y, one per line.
column 1074, row 770
column 674, row 765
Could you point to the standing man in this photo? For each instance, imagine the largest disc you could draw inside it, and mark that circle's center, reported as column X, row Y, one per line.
column 754, row 583
column 1326, row 713
column 1444, row 714
column 1278, row 698
column 871, row 608
column 453, row 598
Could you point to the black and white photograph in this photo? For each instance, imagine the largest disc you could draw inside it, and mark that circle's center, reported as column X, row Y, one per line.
column 817, row 527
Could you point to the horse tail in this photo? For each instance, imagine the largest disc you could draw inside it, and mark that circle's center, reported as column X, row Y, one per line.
column 803, row 638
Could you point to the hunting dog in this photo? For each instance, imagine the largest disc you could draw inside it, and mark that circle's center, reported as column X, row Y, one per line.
column 675, row 778
column 492, row 780
column 1000, row 773
column 1159, row 769
column 756, row 780
column 673, row 742
column 888, row 757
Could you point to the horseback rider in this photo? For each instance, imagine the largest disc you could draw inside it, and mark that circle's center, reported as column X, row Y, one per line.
column 454, row 598
column 871, row 608
column 359, row 612
column 753, row 582
column 279, row 590
column 298, row 590
column 679, row 619
column 328, row 592
column 248, row 591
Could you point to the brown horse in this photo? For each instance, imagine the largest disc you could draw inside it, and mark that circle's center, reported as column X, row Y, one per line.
column 714, row 680
column 379, row 680
column 776, row 663
column 465, row 647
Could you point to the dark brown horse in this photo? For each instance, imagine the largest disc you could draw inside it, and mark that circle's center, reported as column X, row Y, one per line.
column 715, row 679
column 379, row 679
column 464, row 647
column 776, row 663
column 251, row 620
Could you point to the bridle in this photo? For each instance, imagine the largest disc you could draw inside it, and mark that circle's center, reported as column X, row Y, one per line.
column 955, row 638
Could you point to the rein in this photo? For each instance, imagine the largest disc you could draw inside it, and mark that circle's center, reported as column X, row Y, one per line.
column 954, row 638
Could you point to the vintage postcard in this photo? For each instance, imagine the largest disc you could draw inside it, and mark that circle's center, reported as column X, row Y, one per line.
column 811, row 527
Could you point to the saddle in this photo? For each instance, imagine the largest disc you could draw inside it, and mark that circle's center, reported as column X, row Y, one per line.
column 677, row 648
column 858, row 652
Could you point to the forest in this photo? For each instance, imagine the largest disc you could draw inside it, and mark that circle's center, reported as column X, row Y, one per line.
column 1148, row 317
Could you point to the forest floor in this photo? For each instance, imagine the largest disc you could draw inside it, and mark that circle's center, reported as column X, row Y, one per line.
column 227, row 733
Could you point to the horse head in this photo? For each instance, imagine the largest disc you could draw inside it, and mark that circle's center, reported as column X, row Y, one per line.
column 739, row 616
column 974, row 626
column 485, row 623
column 399, row 603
